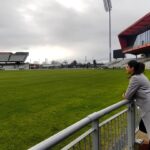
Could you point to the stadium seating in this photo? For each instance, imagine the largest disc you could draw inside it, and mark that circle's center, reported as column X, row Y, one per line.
column 18, row 57
column 4, row 57
column 122, row 63
column 118, row 63
column 13, row 61
column 10, row 57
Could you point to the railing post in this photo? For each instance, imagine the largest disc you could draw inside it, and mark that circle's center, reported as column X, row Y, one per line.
column 131, row 126
column 95, row 135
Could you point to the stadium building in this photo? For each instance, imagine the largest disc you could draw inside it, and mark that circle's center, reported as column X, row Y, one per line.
column 136, row 38
column 13, row 61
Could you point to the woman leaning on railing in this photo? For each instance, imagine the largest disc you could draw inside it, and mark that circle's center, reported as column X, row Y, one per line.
column 139, row 89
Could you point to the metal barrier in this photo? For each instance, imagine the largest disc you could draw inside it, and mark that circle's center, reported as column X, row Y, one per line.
column 115, row 133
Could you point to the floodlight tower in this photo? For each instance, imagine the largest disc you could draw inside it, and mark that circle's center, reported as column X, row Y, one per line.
column 108, row 7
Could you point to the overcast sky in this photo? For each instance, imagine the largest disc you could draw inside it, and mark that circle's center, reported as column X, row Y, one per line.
column 65, row 29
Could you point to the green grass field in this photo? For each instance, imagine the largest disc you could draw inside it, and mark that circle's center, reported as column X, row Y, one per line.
column 36, row 104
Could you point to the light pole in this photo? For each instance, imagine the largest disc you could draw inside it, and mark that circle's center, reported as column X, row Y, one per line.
column 108, row 7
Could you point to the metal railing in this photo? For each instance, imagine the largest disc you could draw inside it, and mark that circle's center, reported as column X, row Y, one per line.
column 117, row 132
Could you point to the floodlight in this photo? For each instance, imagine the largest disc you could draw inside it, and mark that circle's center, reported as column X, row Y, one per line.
column 107, row 5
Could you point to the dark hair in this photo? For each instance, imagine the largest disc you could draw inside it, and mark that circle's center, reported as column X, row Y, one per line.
column 138, row 67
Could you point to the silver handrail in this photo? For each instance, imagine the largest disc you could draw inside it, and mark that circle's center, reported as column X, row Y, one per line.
column 92, row 118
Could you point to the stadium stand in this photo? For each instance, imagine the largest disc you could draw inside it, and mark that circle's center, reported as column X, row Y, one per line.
column 4, row 57
column 10, row 57
column 18, row 57
column 13, row 61
column 122, row 63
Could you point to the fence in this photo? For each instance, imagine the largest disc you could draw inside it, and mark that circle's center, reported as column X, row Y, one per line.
column 117, row 132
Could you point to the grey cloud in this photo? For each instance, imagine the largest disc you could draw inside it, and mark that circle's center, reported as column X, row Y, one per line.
column 53, row 24
column 84, row 32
